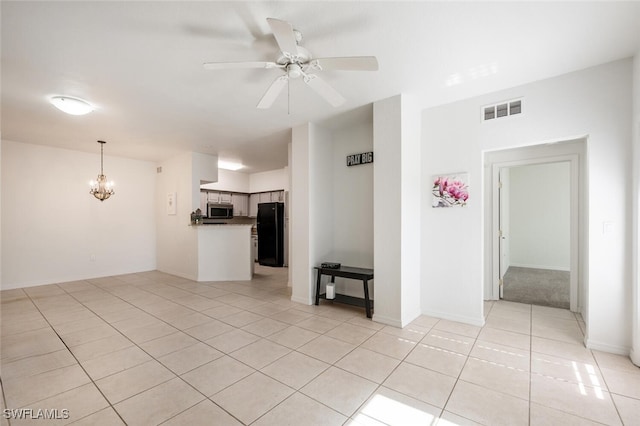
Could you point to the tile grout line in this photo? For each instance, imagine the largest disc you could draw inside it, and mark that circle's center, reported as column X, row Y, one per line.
column 615, row 406
column 150, row 355
column 4, row 400
column 78, row 363
column 530, row 356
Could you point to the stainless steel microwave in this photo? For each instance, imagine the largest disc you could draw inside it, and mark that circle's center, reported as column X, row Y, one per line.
column 219, row 211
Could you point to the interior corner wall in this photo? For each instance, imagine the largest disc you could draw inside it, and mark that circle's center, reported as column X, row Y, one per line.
column 177, row 243
column 229, row 180
column 411, row 209
column 311, row 201
column 352, row 193
column 299, row 221
column 271, row 180
column 396, row 210
column 387, row 248
column 59, row 232
column 594, row 102
column 204, row 168
column 635, row 321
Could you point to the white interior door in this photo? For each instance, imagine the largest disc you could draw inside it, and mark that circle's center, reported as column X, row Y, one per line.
column 503, row 228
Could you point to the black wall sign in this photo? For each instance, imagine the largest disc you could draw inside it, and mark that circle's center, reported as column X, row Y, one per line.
column 357, row 159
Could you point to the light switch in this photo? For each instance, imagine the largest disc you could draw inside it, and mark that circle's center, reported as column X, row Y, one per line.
column 607, row 228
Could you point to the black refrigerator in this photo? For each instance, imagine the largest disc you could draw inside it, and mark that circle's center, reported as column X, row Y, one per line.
column 270, row 225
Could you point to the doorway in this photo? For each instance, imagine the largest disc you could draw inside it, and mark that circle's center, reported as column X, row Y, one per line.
column 534, row 223
column 498, row 247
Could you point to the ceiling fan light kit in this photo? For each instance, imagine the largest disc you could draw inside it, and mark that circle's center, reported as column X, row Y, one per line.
column 296, row 62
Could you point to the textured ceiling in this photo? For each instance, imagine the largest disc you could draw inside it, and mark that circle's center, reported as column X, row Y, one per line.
column 140, row 63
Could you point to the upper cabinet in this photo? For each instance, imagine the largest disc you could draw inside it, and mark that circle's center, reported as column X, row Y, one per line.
column 203, row 203
column 253, row 205
column 240, row 204
column 219, row 197
column 264, row 197
column 243, row 204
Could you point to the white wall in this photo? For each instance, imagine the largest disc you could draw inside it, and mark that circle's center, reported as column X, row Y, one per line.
column 635, row 350
column 229, row 180
column 300, row 267
column 52, row 226
column 539, row 215
column 352, row 192
column 595, row 102
column 177, row 244
column 272, row 180
column 396, row 204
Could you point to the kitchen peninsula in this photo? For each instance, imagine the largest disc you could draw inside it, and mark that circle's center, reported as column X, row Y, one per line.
column 224, row 252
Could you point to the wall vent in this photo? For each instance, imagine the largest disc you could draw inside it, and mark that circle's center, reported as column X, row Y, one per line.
column 502, row 109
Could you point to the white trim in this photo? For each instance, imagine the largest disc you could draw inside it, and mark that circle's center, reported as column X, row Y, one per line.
column 388, row 321
column 576, row 190
column 302, row 300
column 550, row 268
column 605, row 347
column 635, row 357
column 477, row 321
column 181, row 275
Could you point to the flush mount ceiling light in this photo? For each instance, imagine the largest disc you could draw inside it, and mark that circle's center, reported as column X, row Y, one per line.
column 73, row 106
column 228, row 165
column 101, row 189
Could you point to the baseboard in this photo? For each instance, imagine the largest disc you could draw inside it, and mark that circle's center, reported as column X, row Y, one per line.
column 301, row 300
column 74, row 277
column 550, row 268
column 479, row 322
column 387, row 320
column 605, row 347
column 179, row 274
column 635, row 357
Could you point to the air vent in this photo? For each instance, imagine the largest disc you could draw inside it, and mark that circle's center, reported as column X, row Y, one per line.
column 502, row 109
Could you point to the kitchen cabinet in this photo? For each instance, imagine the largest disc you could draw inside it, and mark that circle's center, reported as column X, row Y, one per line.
column 203, row 203
column 253, row 205
column 225, row 198
column 240, row 204
column 219, row 197
column 265, row 197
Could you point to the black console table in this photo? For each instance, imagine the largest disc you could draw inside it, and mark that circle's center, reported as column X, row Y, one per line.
column 360, row 274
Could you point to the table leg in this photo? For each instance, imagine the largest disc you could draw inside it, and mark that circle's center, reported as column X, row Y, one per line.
column 367, row 303
column 318, row 287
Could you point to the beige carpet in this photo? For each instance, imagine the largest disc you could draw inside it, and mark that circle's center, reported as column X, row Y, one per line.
column 537, row 286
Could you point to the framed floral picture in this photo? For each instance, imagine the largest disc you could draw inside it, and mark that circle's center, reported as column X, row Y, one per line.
column 450, row 190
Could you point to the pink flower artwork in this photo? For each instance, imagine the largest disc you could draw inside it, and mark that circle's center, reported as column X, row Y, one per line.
column 450, row 190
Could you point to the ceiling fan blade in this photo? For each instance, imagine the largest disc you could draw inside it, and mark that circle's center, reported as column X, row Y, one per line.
column 237, row 65
column 352, row 63
column 323, row 89
column 283, row 32
column 272, row 92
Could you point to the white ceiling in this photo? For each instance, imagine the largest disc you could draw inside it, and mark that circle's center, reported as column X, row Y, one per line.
column 140, row 63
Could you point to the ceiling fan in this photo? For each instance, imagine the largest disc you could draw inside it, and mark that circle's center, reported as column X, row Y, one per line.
column 297, row 62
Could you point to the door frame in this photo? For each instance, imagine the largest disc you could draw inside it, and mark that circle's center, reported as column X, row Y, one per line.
column 572, row 159
column 541, row 155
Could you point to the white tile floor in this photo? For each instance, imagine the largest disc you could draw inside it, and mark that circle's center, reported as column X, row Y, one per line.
column 151, row 348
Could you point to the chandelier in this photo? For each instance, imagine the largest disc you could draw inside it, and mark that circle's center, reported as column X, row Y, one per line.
column 101, row 189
